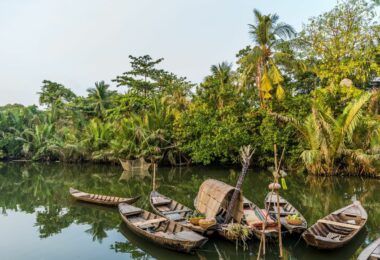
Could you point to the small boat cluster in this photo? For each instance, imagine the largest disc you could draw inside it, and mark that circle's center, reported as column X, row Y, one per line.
column 177, row 227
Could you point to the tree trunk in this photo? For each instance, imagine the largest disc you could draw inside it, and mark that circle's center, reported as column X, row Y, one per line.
column 236, row 193
column 258, row 82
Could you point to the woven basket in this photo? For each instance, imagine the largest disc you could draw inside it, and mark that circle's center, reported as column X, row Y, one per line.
column 195, row 220
column 294, row 222
column 206, row 223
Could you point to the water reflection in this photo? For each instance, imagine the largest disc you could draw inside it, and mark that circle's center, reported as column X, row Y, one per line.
column 138, row 246
column 41, row 191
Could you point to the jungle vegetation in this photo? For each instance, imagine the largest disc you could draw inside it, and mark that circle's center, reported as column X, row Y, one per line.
column 310, row 91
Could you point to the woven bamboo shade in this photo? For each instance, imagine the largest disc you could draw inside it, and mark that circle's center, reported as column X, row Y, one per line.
column 213, row 198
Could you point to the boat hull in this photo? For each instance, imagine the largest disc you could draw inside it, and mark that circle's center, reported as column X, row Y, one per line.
column 373, row 250
column 206, row 232
column 187, row 247
column 101, row 199
column 288, row 209
column 336, row 229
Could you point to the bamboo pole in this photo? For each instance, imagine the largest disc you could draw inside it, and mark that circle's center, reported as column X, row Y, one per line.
column 277, row 169
column 262, row 239
column 154, row 177
column 278, row 222
column 277, row 173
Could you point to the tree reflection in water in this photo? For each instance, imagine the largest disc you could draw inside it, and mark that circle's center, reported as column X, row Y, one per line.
column 42, row 189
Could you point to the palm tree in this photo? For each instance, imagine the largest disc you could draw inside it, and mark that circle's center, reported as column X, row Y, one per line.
column 218, row 86
column 100, row 97
column 267, row 34
column 222, row 72
column 341, row 145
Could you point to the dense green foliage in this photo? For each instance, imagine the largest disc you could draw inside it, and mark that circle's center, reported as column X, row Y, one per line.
column 156, row 114
column 343, row 43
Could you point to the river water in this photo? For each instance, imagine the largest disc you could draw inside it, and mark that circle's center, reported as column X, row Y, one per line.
column 39, row 219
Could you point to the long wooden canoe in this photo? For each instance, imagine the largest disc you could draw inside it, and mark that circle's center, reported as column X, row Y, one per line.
column 338, row 228
column 286, row 209
column 101, row 199
column 173, row 210
column 160, row 230
column 371, row 252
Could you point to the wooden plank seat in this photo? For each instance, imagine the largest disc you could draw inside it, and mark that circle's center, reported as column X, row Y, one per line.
column 159, row 201
column 273, row 200
column 349, row 215
column 149, row 222
column 329, row 222
column 177, row 211
column 163, row 208
column 129, row 210
column 282, row 212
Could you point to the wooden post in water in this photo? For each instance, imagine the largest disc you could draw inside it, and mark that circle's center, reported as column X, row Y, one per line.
column 154, row 177
column 278, row 220
column 274, row 188
column 276, row 175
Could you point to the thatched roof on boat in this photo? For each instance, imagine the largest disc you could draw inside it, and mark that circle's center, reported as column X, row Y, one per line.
column 135, row 165
column 214, row 196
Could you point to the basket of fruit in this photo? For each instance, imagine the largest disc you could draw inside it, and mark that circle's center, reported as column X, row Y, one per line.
column 194, row 219
column 207, row 222
column 294, row 220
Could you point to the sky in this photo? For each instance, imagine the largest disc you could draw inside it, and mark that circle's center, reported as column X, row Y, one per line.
column 79, row 42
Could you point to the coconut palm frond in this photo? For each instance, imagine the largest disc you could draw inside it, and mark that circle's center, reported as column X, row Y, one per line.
column 351, row 116
column 292, row 120
column 343, row 144
column 363, row 160
column 284, row 31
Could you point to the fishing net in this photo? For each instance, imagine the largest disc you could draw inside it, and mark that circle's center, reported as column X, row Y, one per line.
column 135, row 165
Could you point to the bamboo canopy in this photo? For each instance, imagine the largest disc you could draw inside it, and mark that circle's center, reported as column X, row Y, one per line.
column 135, row 165
column 214, row 197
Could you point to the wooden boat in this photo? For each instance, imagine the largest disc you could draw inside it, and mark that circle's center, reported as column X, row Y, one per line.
column 173, row 210
column 160, row 230
column 337, row 228
column 213, row 199
column 101, row 199
column 371, row 252
column 257, row 218
column 286, row 209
